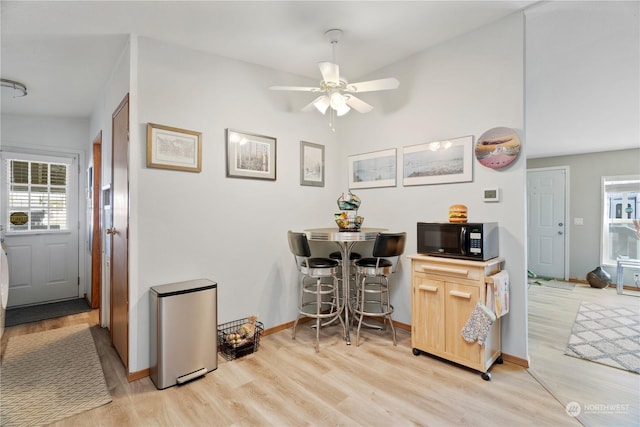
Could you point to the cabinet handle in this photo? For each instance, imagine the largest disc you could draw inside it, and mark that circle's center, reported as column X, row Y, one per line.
column 464, row 295
column 436, row 269
column 428, row 288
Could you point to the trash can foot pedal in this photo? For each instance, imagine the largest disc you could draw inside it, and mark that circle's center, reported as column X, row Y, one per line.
column 191, row 376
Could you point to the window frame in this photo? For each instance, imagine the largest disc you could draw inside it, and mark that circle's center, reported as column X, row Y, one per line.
column 607, row 221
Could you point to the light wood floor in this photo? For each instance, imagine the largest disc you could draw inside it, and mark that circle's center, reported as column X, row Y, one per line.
column 287, row 384
column 551, row 315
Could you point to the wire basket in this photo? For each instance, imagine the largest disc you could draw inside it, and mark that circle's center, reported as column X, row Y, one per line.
column 234, row 350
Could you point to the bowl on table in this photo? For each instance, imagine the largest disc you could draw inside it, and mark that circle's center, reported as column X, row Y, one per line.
column 349, row 224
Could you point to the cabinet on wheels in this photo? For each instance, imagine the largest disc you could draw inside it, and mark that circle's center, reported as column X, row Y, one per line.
column 444, row 293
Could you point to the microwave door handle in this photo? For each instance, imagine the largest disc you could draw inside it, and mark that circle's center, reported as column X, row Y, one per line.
column 463, row 234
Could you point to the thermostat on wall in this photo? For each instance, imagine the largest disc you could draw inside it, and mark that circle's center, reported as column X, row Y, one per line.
column 491, row 195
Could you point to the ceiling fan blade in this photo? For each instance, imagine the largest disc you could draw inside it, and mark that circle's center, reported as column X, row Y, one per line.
column 330, row 72
column 358, row 104
column 297, row 88
column 321, row 103
column 372, row 85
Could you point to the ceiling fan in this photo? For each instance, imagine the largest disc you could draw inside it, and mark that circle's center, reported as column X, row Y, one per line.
column 337, row 93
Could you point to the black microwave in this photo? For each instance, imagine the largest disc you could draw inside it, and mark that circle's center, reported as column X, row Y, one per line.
column 473, row 241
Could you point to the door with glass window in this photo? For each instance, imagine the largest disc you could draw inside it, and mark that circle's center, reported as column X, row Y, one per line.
column 40, row 222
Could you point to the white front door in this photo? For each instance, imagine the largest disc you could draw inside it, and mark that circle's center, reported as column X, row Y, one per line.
column 40, row 219
column 546, row 222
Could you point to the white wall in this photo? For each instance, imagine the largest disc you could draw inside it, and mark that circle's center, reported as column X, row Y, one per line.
column 205, row 225
column 583, row 90
column 115, row 89
column 233, row 230
column 462, row 87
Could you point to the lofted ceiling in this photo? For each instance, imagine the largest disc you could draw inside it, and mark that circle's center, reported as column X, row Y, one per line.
column 64, row 51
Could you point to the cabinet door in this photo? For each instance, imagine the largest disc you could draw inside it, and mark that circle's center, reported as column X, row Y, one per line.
column 460, row 302
column 427, row 325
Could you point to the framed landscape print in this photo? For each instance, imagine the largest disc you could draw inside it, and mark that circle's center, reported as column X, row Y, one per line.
column 376, row 169
column 173, row 148
column 311, row 164
column 250, row 156
column 438, row 162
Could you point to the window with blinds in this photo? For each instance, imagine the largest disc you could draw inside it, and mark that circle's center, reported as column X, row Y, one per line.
column 37, row 196
column 620, row 226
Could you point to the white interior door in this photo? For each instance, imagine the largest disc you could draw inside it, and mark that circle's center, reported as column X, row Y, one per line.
column 547, row 222
column 40, row 220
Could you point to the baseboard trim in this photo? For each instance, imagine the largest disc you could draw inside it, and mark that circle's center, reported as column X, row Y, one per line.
column 135, row 376
column 515, row 360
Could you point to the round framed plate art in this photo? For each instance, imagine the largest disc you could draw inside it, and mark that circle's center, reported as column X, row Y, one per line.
column 497, row 147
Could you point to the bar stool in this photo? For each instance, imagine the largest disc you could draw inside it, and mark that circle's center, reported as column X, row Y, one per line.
column 325, row 299
column 353, row 257
column 372, row 275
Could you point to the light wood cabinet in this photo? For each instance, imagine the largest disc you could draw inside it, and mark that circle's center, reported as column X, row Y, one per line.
column 444, row 293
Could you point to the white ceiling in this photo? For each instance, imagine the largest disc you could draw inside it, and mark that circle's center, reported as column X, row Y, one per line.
column 63, row 51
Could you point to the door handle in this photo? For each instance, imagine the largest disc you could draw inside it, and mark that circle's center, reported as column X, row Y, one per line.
column 560, row 232
column 112, row 231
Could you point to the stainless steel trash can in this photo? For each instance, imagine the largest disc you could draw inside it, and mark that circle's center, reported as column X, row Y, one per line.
column 183, row 336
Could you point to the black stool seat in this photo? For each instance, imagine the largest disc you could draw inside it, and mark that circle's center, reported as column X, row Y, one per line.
column 338, row 255
column 320, row 263
column 371, row 262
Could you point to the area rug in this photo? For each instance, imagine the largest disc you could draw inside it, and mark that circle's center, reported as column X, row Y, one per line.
column 51, row 375
column 607, row 335
column 35, row 313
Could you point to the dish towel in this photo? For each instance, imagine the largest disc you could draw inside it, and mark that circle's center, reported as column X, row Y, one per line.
column 498, row 294
column 478, row 325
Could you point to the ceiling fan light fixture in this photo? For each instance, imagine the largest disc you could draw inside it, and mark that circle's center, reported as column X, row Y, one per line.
column 342, row 110
column 322, row 104
column 337, row 100
column 15, row 89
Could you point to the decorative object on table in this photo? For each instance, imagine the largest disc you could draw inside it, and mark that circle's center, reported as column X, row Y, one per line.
column 609, row 335
column 239, row 338
column 457, row 213
column 497, row 147
column 336, row 95
column 311, row 164
column 376, row 169
column 438, row 162
column 250, row 156
column 598, row 278
column 348, row 219
column 173, row 148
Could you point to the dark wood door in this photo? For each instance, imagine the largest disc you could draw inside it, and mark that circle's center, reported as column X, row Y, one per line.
column 120, row 232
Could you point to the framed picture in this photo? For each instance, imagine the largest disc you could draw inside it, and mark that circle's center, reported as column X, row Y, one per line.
column 250, row 156
column 376, row 169
column 173, row 148
column 438, row 162
column 311, row 164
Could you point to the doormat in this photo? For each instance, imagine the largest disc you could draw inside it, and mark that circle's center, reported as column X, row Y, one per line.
column 558, row 284
column 607, row 335
column 48, row 376
column 35, row 313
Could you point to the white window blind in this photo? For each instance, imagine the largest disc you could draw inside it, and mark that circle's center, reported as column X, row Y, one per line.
column 37, row 195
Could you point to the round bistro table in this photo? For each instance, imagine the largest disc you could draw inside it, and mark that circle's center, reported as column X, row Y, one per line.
column 345, row 240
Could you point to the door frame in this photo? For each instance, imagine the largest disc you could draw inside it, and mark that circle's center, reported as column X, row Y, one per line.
column 567, row 216
column 96, row 233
